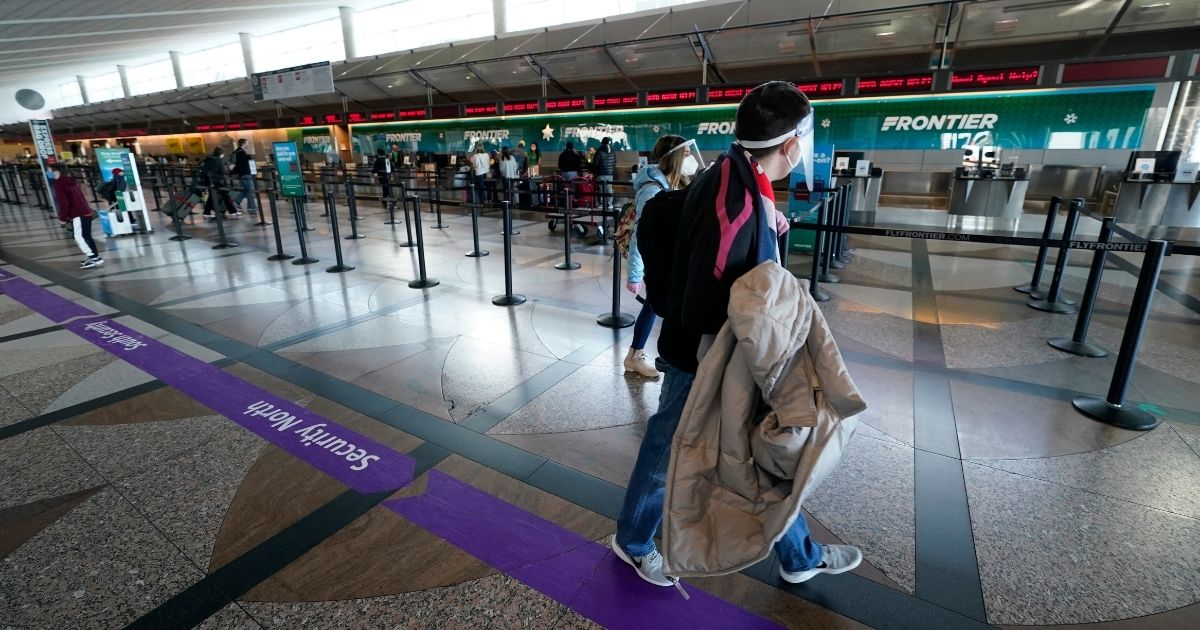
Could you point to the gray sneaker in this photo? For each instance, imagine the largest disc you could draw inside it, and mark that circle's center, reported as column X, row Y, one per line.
column 834, row 559
column 648, row 567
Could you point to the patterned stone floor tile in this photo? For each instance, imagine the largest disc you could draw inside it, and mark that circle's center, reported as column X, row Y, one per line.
column 37, row 465
column 590, row 398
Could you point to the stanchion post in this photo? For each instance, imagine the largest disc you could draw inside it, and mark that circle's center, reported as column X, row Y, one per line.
column 834, row 245
column 407, row 218
column 219, row 210
column 1054, row 303
column 509, row 298
column 341, row 265
column 814, row 280
column 826, row 237
column 422, row 281
column 258, row 204
column 279, row 254
column 843, row 254
column 298, row 211
column 1034, row 288
column 1112, row 409
column 1078, row 344
column 353, row 204
column 157, row 196
column 566, row 264
column 437, row 205
column 476, row 252
column 615, row 318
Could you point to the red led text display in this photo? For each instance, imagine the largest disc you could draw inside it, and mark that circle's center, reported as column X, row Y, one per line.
column 305, row 121
column 357, row 117
column 443, row 111
column 671, row 97
column 614, row 101
column 994, row 78
column 1153, row 68
column 820, row 88
column 331, row 119
column 487, row 109
column 378, row 116
column 727, row 94
column 906, row 83
column 417, row 113
column 572, row 104
column 521, row 107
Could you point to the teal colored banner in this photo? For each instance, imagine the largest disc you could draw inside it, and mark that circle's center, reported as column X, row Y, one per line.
column 121, row 158
column 287, row 162
column 1091, row 118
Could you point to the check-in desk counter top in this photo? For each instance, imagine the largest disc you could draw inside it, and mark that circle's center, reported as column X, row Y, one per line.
column 994, row 196
column 1165, row 203
column 864, row 195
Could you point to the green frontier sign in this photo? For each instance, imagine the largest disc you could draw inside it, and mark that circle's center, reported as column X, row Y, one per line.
column 287, row 161
column 1088, row 118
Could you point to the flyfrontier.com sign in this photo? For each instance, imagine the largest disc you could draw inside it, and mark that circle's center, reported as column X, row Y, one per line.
column 948, row 122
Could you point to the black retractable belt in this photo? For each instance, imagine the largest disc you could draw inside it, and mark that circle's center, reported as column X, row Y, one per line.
column 422, row 281
column 566, row 264
column 1034, row 288
column 1078, row 344
column 509, row 298
column 1112, row 409
column 1053, row 303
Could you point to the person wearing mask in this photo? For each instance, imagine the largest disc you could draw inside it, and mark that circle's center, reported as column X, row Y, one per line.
column 75, row 211
column 535, row 160
column 242, row 169
column 509, row 170
column 569, row 162
column 212, row 171
column 728, row 226
column 604, row 165
column 480, row 165
column 396, row 156
column 674, row 165
column 382, row 168
column 589, row 160
column 522, row 159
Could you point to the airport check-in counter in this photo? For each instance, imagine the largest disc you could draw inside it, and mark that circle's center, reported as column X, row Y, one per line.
column 1165, row 203
column 989, row 193
column 866, row 189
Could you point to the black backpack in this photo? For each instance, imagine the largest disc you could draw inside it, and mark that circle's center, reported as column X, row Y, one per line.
column 657, row 232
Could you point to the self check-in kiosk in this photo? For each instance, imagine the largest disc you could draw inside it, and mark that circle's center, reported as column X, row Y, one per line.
column 985, row 186
column 1157, row 189
column 867, row 179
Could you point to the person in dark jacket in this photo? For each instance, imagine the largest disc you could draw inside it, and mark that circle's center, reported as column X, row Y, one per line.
column 73, row 208
column 382, row 168
column 569, row 162
column 604, row 165
column 212, row 172
column 241, row 169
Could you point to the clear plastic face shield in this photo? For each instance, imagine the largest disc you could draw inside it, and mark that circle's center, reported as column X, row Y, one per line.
column 693, row 162
column 805, row 133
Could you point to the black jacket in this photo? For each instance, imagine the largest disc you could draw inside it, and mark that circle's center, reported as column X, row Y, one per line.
column 241, row 162
column 213, row 171
column 569, row 161
column 380, row 166
column 606, row 162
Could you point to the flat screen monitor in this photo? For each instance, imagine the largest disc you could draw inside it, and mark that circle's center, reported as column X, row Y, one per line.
column 1165, row 162
column 852, row 157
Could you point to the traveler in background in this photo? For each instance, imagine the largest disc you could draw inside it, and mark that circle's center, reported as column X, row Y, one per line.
column 535, row 160
column 509, row 170
column 589, row 160
column 74, row 209
column 480, row 165
column 522, row 159
column 212, row 171
column 382, row 170
column 569, row 162
column 667, row 173
column 395, row 156
column 728, row 226
column 604, row 165
column 241, row 168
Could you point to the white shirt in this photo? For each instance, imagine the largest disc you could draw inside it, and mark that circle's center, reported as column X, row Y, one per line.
column 508, row 168
column 481, row 162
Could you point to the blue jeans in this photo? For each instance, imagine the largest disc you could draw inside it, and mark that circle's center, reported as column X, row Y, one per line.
column 605, row 190
column 642, row 511
column 246, row 193
column 643, row 327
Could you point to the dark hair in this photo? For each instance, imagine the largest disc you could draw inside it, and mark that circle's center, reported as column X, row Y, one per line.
column 241, row 141
column 605, row 144
column 504, row 153
column 60, row 168
column 769, row 111
column 379, row 152
column 218, row 152
column 570, row 146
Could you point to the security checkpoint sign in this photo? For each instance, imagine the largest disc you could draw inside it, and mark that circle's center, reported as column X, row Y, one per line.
column 287, row 162
column 43, row 141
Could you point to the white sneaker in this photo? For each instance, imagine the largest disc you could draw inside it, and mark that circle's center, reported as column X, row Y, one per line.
column 635, row 361
column 834, row 559
column 648, row 567
column 92, row 262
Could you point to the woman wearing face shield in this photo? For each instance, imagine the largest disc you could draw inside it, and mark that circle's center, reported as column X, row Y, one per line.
column 673, row 168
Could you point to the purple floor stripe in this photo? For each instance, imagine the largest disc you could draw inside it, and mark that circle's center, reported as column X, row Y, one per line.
column 560, row 564
column 555, row 561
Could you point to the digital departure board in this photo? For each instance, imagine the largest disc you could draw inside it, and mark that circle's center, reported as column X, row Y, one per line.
column 357, row 117
column 331, row 119
column 443, row 111
column 994, row 78
column 415, row 113
column 821, row 88
column 902, row 83
column 1152, row 68
column 572, row 104
column 671, row 97
column 385, row 116
column 728, row 94
column 521, row 107
column 614, row 101
column 486, row 109
column 206, row 127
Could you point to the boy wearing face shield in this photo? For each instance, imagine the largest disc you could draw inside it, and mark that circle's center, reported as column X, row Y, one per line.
column 728, row 226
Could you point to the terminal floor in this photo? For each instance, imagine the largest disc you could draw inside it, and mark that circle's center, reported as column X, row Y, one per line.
column 977, row 494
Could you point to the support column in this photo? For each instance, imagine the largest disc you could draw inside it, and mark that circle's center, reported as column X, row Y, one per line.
column 347, row 20
column 83, row 89
column 500, row 16
column 124, row 74
column 177, row 67
column 248, row 52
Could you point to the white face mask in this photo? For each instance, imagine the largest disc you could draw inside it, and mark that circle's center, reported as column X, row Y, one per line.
column 692, row 163
column 690, row 166
column 804, row 131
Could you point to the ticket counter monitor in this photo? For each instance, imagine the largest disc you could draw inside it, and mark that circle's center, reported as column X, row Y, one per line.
column 985, row 187
column 1158, row 190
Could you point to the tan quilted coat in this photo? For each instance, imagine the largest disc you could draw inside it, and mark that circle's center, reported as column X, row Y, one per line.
column 769, row 414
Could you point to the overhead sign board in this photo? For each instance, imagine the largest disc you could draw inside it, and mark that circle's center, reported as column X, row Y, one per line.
column 43, row 141
column 306, row 80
